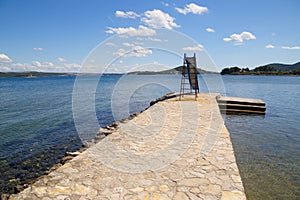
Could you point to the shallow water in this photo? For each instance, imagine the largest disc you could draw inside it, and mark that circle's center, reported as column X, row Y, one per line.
column 267, row 148
column 37, row 126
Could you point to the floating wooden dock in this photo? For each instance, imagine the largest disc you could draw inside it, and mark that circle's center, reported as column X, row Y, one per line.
column 236, row 105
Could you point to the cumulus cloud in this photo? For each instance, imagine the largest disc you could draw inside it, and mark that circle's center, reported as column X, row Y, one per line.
column 154, row 39
column 60, row 59
column 128, row 44
column 4, row 68
column 291, row 48
column 270, row 46
column 192, row 8
column 48, row 64
column 71, row 67
column 158, row 19
column 36, row 64
column 23, row 67
column 131, row 32
column 128, row 14
column 38, row 49
column 4, row 59
column 239, row 38
column 151, row 39
column 198, row 47
column 6, row 64
column 43, row 64
column 136, row 51
column 210, row 30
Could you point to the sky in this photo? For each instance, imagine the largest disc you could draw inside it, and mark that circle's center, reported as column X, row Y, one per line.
column 123, row 35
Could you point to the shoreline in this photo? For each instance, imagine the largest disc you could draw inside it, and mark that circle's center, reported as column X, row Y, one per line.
column 289, row 75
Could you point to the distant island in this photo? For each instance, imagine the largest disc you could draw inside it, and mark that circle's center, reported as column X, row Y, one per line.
column 34, row 74
column 275, row 69
column 176, row 70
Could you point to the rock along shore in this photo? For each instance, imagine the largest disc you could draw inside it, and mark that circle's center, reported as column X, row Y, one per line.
column 172, row 150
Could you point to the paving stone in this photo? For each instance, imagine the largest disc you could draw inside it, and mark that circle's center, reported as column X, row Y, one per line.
column 174, row 150
column 193, row 182
column 180, row 196
column 233, row 195
column 163, row 188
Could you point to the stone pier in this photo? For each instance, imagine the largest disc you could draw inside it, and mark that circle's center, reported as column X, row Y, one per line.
column 177, row 150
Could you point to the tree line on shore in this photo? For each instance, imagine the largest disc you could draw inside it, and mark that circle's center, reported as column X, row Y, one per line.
column 271, row 69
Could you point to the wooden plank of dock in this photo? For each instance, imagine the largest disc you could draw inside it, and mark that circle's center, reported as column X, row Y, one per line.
column 173, row 150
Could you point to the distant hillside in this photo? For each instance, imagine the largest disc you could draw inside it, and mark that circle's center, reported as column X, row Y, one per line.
column 31, row 74
column 269, row 69
column 285, row 67
column 176, row 70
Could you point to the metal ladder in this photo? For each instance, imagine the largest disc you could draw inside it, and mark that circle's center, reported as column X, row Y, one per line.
column 185, row 85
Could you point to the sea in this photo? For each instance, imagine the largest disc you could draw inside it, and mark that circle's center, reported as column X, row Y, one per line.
column 39, row 123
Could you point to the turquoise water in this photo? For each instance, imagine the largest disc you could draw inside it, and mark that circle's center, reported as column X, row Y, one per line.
column 268, row 148
column 37, row 126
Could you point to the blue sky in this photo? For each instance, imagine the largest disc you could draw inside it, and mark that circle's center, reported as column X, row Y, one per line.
column 58, row 35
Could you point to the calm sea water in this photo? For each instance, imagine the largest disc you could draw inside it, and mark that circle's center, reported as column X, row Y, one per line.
column 37, row 126
column 268, row 148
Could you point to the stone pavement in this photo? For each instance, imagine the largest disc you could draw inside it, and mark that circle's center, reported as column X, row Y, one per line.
column 177, row 150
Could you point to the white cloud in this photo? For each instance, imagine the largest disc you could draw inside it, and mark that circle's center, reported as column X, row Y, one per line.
column 210, row 30
column 4, row 68
column 240, row 37
column 151, row 39
column 270, row 46
column 165, row 4
column 60, row 59
column 6, row 64
column 154, row 39
column 4, row 59
column 291, row 48
column 158, row 19
column 19, row 64
column 43, row 64
column 48, row 64
column 38, row 49
column 192, row 8
column 138, row 43
column 36, row 64
column 136, row 51
column 23, row 67
column 110, row 44
column 128, row 44
column 129, row 14
column 71, row 67
column 199, row 47
column 131, row 32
